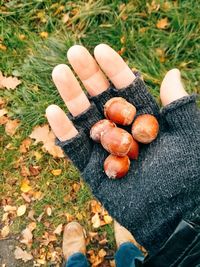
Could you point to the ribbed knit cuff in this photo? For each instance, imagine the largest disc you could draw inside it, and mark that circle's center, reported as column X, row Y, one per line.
column 137, row 94
column 86, row 119
column 78, row 149
column 182, row 114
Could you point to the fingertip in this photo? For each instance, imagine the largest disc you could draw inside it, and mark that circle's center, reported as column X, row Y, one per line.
column 76, row 51
column 60, row 123
column 172, row 87
column 60, row 71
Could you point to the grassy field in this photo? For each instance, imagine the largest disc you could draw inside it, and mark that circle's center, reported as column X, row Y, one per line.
column 152, row 36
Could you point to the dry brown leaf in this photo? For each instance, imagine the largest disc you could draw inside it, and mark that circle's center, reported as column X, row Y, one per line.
column 25, row 187
column 153, row 6
column 5, row 231
column 34, row 170
column 102, row 253
column 32, row 226
column 22, row 254
column 96, row 223
column 26, row 197
column 58, row 229
column 95, row 206
column 3, row 120
column 24, row 171
column 27, row 237
column 24, row 147
column 8, row 82
column 3, row 111
column 44, row 135
column 162, row 23
column 21, row 210
column 9, row 208
column 31, row 215
column 56, row 172
column 11, row 127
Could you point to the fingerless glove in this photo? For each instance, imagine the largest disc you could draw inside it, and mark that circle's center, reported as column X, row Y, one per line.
column 162, row 186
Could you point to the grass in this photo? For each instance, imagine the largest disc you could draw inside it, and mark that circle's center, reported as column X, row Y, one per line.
column 129, row 27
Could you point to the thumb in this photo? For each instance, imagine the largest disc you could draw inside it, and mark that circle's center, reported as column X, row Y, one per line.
column 172, row 88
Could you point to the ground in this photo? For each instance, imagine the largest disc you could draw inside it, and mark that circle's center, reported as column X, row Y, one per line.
column 40, row 192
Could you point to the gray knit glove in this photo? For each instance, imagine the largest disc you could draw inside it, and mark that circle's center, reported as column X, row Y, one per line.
column 161, row 187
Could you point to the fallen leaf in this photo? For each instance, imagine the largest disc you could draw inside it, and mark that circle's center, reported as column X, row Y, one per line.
column 32, row 226
column 11, row 127
column 26, row 197
column 3, row 120
column 162, row 23
column 95, row 206
column 5, row 231
column 8, row 82
column 24, row 171
column 58, row 229
column 21, row 210
column 9, row 208
column 102, row 253
column 31, row 215
column 107, row 219
column 3, row 112
column 44, row 34
column 22, row 254
column 37, row 155
column 3, row 47
column 44, row 135
column 153, row 6
column 96, row 223
column 34, row 170
column 25, row 187
column 49, row 211
column 56, row 172
column 24, row 147
column 161, row 54
column 27, row 237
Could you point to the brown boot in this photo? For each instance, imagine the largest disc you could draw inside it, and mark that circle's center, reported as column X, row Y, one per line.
column 73, row 239
column 122, row 235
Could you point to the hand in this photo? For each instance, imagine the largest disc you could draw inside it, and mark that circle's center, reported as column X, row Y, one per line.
column 161, row 186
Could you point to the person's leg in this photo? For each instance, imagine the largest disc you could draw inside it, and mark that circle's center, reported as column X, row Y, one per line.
column 127, row 255
column 77, row 260
column 74, row 247
column 128, row 252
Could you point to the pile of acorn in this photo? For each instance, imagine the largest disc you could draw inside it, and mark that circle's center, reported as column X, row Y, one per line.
column 121, row 145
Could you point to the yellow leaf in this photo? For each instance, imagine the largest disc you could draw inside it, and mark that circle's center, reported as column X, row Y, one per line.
column 44, row 34
column 25, row 187
column 3, row 47
column 5, row 231
column 21, row 210
column 56, row 172
column 107, row 219
column 162, row 23
column 37, row 155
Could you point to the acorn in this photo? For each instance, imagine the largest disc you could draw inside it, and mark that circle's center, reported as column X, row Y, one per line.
column 145, row 128
column 116, row 167
column 120, row 111
column 99, row 127
column 116, row 141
